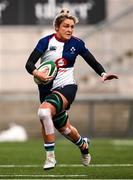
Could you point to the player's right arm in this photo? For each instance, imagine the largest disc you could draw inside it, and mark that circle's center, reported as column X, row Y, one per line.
column 33, row 58
column 31, row 68
column 36, row 54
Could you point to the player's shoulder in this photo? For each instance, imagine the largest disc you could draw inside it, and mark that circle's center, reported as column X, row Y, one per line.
column 77, row 40
column 46, row 38
column 43, row 43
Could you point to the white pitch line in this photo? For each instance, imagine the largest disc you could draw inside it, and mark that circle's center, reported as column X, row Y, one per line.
column 43, row 175
column 19, row 166
column 96, row 165
column 111, row 165
column 122, row 142
column 64, row 165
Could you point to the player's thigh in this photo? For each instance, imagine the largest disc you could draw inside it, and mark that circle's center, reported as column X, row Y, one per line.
column 68, row 94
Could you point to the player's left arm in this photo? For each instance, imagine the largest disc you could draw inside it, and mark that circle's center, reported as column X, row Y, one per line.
column 108, row 76
column 98, row 68
column 95, row 65
column 90, row 59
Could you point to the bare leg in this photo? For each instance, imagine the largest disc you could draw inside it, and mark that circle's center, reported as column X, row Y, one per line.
column 71, row 133
column 45, row 112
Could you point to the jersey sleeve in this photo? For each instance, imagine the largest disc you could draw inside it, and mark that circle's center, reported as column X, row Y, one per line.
column 90, row 59
column 42, row 45
column 33, row 58
column 36, row 54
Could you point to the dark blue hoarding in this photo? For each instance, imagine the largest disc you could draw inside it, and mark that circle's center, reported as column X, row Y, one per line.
column 33, row 12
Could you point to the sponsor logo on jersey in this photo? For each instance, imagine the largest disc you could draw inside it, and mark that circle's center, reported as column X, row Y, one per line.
column 61, row 62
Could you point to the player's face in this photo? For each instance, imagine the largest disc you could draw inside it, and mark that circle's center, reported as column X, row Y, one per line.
column 65, row 30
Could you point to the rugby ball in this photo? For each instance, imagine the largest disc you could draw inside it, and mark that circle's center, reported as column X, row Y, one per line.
column 52, row 71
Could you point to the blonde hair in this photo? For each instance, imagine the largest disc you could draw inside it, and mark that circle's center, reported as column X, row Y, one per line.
column 64, row 14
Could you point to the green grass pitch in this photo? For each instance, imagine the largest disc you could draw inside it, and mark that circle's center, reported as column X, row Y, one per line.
column 111, row 159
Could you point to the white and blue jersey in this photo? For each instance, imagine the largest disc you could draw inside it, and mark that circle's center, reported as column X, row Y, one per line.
column 63, row 54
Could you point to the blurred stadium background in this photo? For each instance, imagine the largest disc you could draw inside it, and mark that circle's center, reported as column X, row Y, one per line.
column 100, row 110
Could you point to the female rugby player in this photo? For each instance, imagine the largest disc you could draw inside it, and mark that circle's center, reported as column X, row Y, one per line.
column 57, row 96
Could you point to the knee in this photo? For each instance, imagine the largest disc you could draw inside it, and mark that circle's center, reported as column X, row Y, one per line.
column 66, row 130
column 44, row 113
column 46, row 120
